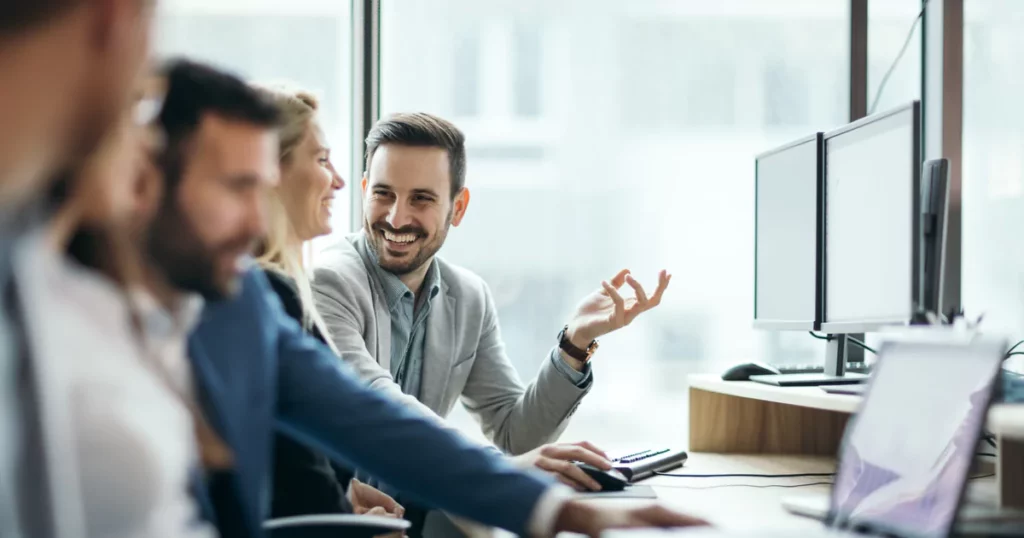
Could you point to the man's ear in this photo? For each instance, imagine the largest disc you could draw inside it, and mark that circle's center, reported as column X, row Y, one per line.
column 460, row 204
column 364, row 183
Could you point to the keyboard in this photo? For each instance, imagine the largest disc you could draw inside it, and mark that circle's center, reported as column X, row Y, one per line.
column 851, row 367
column 643, row 464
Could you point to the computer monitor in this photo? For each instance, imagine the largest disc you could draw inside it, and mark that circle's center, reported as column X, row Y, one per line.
column 934, row 210
column 787, row 232
column 872, row 170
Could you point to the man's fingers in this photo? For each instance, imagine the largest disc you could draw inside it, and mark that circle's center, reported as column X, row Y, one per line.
column 590, row 446
column 638, row 289
column 579, row 453
column 620, row 278
column 659, row 516
column 663, row 279
column 569, row 483
column 620, row 305
column 569, row 471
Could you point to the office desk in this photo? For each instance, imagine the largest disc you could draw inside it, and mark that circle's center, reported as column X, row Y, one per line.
column 731, row 503
column 748, row 417
column 724, row 502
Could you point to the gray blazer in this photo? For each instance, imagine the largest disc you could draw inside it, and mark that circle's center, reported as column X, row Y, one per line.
column 464, row 356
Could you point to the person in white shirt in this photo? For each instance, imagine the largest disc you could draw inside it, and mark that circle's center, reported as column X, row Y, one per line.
column 66, row 68
column 123, row 356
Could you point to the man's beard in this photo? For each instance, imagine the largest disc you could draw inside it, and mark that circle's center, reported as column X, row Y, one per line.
column 426, row 252
column 177, row 251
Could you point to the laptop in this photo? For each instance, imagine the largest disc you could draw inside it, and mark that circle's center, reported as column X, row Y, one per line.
column 906, row 455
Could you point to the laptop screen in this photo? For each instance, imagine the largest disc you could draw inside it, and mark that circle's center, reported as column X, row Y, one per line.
column 907, row 453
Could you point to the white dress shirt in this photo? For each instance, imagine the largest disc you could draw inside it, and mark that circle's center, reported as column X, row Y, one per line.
column 134, row 436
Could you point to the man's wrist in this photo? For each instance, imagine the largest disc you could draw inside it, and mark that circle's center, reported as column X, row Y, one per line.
column 577, row 337
column 571, row 361
column 578, row 517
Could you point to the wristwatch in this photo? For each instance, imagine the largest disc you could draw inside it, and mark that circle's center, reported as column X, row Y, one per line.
column 565, row 345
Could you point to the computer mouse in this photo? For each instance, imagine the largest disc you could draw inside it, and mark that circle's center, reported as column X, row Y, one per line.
column 611, row 480
column 742, row 372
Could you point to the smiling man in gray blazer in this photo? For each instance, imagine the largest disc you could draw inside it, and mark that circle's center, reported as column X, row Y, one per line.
column 427, row 331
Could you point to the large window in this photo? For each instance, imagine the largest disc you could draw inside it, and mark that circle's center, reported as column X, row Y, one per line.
column 993, row 164
column 305, row 43
column 889, row 28
column 610, row 134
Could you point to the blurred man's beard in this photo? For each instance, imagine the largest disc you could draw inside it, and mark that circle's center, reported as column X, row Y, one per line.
column 176, row 250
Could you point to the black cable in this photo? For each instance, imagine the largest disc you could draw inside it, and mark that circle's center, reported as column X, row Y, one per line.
column 755, row 486
column 899, row 56
column 853, row 340
column 1013, row 353
column 1015, row 346
column 979, row 477
column 862, row 345
column 743, row 475
column 986, row 454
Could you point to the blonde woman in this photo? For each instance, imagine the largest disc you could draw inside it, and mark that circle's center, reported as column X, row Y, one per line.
column 299, row 210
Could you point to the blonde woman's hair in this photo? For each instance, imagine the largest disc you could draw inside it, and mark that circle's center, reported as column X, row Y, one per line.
column 278, row 251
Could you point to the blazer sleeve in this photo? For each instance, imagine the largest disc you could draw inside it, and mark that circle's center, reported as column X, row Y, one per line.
column 516, row 418
column 321, row 403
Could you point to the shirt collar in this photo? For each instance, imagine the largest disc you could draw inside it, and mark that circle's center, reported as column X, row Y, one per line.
column 394, row 288
column 159, row 322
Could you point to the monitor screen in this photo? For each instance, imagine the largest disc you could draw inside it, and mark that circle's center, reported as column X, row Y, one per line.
column 871, row 194
column 786, row 237
column 906, row 456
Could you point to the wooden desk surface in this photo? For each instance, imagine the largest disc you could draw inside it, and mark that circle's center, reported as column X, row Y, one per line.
column 1005, row 420
column 730, row 503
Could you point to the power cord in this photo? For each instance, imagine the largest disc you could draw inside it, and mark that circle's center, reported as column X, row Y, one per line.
column 755, row 486
column 855, row 341
column 899, row 56
column 743, row 475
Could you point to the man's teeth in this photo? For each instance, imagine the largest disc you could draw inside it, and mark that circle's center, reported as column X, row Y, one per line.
column 399, row 238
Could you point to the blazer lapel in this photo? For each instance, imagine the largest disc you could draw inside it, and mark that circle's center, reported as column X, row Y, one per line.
column 380, row 304
column 439, row 352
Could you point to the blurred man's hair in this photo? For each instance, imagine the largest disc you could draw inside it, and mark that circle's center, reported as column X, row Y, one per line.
column 17, row 16
column 194, row 90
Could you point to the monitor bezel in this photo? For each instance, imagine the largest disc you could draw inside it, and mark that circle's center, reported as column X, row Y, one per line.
column 783, row 324
column 871, row 325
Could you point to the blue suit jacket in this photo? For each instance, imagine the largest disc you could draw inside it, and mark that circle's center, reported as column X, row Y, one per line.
column 257, row 371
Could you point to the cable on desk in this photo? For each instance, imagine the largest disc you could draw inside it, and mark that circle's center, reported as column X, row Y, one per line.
column 862, row 345
column 1012, row 348
column 756, row 486
column 979, row 477
column 857, row 342
column 986, row 454
column 745, row 475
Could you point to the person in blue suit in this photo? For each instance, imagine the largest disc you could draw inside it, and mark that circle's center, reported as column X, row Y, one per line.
column 253, row 370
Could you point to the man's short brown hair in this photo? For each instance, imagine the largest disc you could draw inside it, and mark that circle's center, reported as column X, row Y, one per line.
column 420, row 129
column 17, row 16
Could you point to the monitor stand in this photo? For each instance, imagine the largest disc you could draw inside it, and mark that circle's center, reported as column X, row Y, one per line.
column 838, row 352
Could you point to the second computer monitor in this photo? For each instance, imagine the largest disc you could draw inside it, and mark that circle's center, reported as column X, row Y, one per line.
column 872, row 176
column 786, row 236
